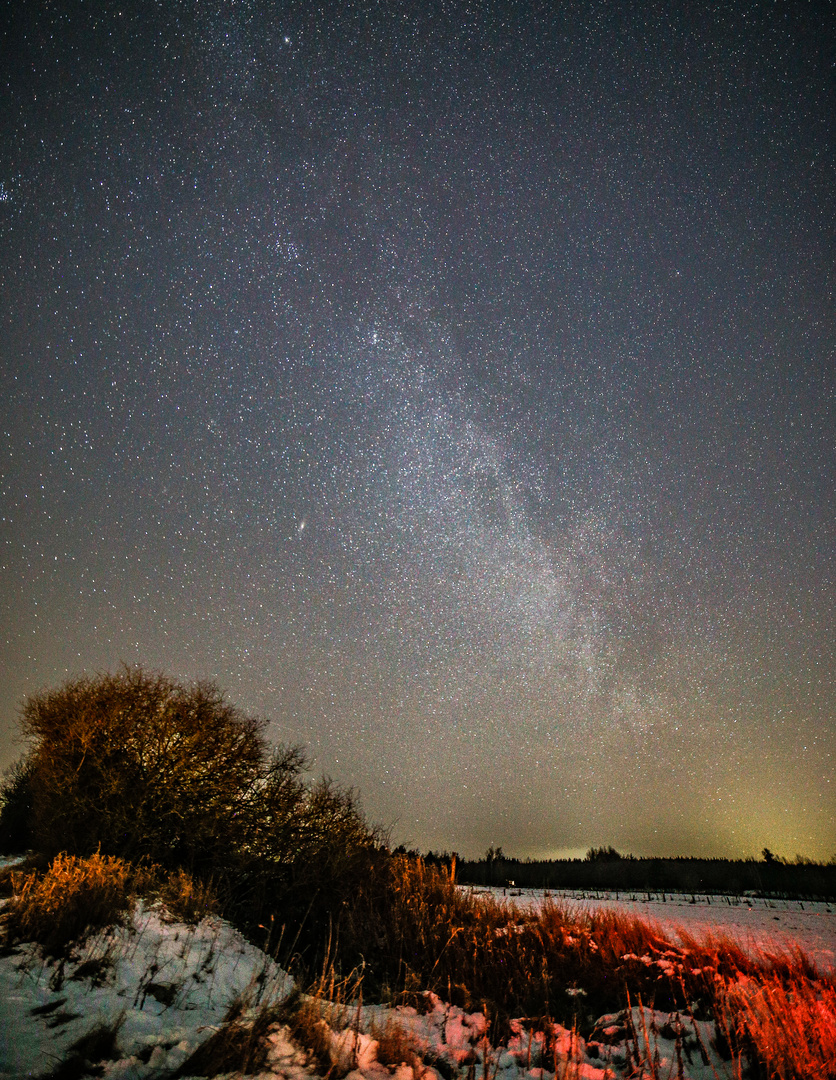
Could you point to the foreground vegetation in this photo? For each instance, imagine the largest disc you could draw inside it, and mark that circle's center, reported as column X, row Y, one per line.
column 135, row 786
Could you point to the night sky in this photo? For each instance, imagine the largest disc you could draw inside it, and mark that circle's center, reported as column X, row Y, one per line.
column 453, row 383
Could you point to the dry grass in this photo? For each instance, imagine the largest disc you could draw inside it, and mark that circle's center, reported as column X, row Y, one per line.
column 85, row 1056
column 74, row 898
column 331, row 1005
column 188, row 899
column 420, row 931
column 328, row 1023
column 395, row 1046
column 239, row 1045
column 482, row 954
column 788, row 1027
column 309, row 1028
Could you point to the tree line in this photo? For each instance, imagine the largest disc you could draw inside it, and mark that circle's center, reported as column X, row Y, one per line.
column 606, row 869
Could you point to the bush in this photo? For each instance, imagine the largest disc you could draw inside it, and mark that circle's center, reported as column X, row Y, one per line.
column 16, row 809
column 139, row 767
column 314, row 855
column 73, row 898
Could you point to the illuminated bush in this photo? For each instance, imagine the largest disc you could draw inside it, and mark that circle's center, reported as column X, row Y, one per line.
column 138, row 766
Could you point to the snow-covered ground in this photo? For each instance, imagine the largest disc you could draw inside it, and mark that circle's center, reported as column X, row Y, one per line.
column 756, row 923
column 162, row 985
column 162, row 988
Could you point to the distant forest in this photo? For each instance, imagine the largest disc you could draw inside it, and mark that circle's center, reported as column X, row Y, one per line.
column 607, row 869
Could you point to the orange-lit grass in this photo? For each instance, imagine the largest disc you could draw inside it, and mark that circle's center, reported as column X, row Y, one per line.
column 187, row 898
column 73, row 898
column 482, row 953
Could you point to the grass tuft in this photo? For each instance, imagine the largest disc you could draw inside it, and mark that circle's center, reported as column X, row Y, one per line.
column 395, row 1046
column 315, row 1020
column 188, row 899
column 85, row 1055
column 239, row 1045
column 73, row 898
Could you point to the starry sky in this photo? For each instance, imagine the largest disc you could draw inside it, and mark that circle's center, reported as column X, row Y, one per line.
column 453, row 383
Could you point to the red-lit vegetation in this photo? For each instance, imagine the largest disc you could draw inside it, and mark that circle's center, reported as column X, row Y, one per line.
column 478, row 952
column 297, row 867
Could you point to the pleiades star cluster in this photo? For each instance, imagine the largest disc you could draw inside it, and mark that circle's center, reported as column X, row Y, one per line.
column 453, row 383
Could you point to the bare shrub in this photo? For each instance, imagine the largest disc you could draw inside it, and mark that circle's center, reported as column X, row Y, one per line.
column 74, row 898
column 138, row 766
column 16, row 808
column 314, row 855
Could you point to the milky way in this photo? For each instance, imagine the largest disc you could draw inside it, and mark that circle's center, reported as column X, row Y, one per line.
column 454, row 385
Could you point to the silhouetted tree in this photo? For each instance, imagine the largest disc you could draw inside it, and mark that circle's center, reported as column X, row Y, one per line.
column 16, row 808
column 603, row 854
column 139, row 766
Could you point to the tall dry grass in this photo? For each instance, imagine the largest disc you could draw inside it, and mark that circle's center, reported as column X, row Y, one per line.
column 422, row 932
column 317, row 1018
column 417, row 930
column 787, row 1026
column 74, row 898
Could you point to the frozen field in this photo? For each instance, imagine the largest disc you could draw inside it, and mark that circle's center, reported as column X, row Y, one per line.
column 159, row 989
column 135, row 1002
column 753, row 922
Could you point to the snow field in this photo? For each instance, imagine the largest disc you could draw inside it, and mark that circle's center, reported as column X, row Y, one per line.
column 163, row 988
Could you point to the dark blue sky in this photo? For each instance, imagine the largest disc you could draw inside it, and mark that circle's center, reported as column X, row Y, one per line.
column 454, row 384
